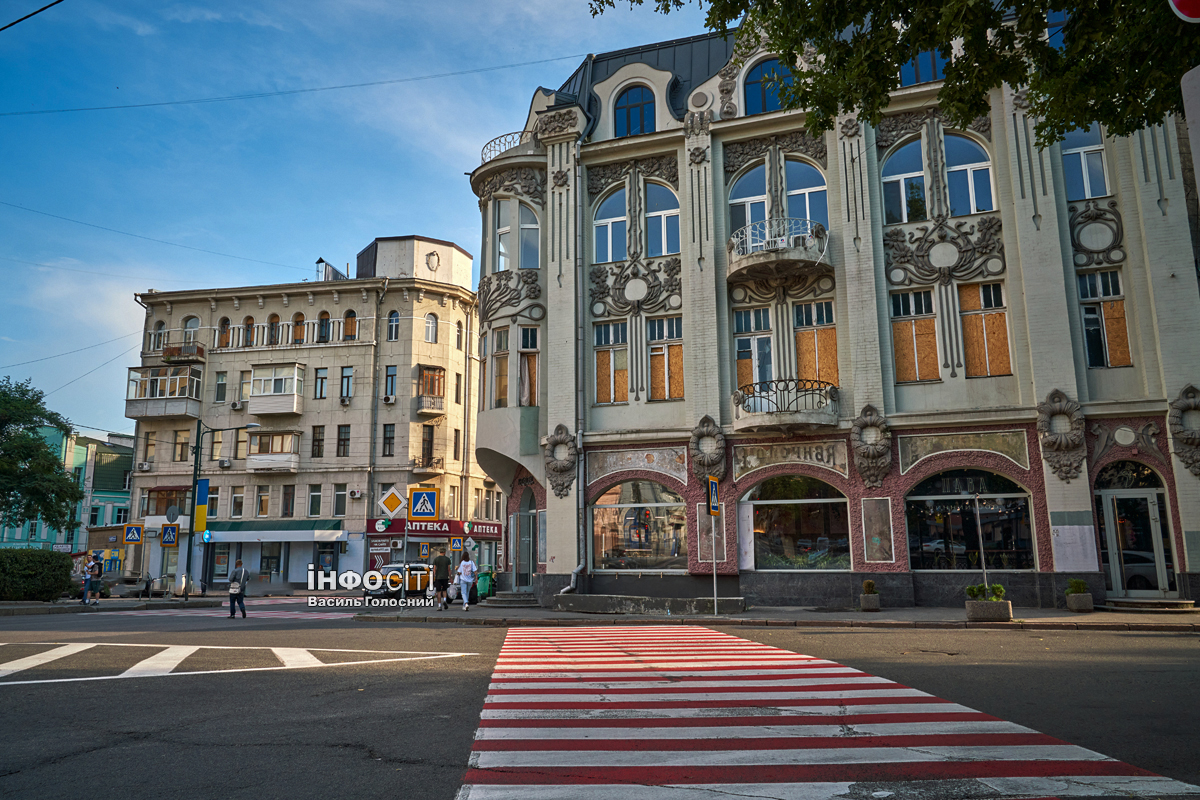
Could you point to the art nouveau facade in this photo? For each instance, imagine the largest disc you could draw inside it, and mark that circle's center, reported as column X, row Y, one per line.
column 902, row 349
column 355, row 385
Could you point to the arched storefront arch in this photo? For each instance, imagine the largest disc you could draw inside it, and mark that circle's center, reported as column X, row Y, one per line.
column 638, row 525
column 798, row 522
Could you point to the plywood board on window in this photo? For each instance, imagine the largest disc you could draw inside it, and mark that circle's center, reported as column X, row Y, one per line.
column 675, row 369
column 996, row 331
column 620, row 376
column 877, row 529
column 806, row 355
column 658, row 374
column 745, row 372
column 1117, row 334
column 925, row 331
column 974, row 348
column 603, row 376
column 968, row 297
column 827, row 364
column 906, row 357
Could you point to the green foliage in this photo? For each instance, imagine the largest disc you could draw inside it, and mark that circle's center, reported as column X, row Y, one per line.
column 980, row 592
column 1120, row 64
column 33, row 482
column 1077, row 586
column 869, row 587
column 28, row 574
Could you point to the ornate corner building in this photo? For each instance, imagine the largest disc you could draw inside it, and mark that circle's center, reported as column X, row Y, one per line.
column 906, row 351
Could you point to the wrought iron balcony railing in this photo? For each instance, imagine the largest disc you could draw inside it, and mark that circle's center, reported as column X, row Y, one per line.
column 779, row 234
column 504, row 143
column 429, row 403
column 786, row 396
column 427, row 463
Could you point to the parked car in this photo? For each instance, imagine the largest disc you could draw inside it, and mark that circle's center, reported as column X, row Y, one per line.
column 939, row 546
column 419, row 582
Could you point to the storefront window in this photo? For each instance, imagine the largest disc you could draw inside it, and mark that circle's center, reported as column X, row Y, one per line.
column 639, row 525
column 269, row 561
column 326, row 556
column 800, row 523
column 950, row 513
column 220, row 561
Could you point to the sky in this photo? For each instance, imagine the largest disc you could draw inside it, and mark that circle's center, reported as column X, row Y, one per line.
column 286, row 179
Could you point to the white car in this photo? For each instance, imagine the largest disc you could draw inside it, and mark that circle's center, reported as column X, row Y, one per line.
column 939, row 546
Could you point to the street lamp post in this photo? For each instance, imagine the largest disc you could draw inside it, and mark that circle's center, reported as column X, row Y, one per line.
column 201, row 429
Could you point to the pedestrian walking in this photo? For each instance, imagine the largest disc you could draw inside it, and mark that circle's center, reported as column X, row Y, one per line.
column 237, row 588
column 441, row 578
column 93, row 581
column 466, row 577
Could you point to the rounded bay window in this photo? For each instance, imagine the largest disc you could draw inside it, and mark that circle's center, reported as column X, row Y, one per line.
column 639, row 525
column 955, row 516
column 799, row 523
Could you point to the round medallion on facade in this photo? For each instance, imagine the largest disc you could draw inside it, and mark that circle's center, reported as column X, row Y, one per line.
column 636, row 290
column 433, row 261
column 1124, row 436
column 699, row 101
column 707, row 449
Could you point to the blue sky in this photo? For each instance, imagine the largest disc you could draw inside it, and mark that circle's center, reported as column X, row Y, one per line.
column 284, row 179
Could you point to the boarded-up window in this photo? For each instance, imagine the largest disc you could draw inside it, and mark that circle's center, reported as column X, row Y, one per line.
column 666, row 358
column 1105, row 332
column 752, row 346
column 914, row 337
column 816, row 342
column 985, row 329
column 612, row 362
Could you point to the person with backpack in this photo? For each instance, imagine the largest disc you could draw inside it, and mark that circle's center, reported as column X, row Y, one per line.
column 92, row 583
column 237, row 588
column 441, row 578
column 466, row 579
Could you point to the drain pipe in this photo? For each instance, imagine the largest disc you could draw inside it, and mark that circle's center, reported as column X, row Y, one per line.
column 580, row 507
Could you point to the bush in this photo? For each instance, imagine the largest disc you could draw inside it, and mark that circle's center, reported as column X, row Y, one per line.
column 1077, row 586
column 869, row 587
column 981, row 592
column 27, row 574
column 76, row 590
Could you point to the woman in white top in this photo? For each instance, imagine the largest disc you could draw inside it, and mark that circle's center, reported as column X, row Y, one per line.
column 466, row 577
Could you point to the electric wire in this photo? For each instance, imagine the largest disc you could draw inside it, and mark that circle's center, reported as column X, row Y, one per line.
column 93, row 369
column 94, row 272
column 27, row 16
column 69, row 352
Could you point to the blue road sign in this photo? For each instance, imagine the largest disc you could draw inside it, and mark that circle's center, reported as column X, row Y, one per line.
column 133, row 534
column 424, row 549
column 456, row 543
column 170, row 535
column 714, row 501
column 423, row 504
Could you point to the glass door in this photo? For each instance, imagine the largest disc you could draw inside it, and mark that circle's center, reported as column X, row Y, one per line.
column 1135, row 545
column 526, row 520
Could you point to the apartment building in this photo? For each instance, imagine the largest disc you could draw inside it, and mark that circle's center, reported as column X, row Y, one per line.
column 308, row 401
column 906, row 350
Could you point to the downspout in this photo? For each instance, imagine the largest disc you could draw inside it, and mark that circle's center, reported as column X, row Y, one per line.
column 374, row 422
column 580, row 500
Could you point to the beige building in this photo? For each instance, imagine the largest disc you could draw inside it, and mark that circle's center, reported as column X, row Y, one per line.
column 354, row 386
column 906, row 350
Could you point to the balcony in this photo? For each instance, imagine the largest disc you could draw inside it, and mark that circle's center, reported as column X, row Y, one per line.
column 163, row 393
column 777, row 248
column 785, row 405
column 273, row 462
column 428, row 465
column 516, row 143
column 431, row 405
column 183, row 354
column 270, row 404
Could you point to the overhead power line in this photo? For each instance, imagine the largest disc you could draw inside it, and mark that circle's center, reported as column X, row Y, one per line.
column 70, row 352
column 94, row 271
column 27, row 16
column 93, row 369
column 283, row 92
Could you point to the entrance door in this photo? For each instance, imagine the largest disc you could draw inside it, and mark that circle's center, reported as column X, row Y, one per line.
column 525, row 565
column 1135, row 545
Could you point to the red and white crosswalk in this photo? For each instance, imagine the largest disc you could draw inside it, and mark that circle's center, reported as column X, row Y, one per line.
column 685, row 713
column 224, row 612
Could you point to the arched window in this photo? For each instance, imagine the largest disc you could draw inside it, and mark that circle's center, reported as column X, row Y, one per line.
column 610, row 228
column 248, row 332
column 639, row 525
column 1083, row 163
column 159, row 339
column 323, row 326
column 954, row 514
column 393, row 329
column 806, row 195
column 431, row 326
column 190, row 327
column 968, row 176
column 799, row 523
column 223, row 332
column 350, row 327
column 662, row 221
column 762, row 86
column 634, row 112
column 273, row 329
column 298, row 329
column 904, row 186
column 529, row 238
column 525, row 236
column 503, row 235
column 748, row 199
column 458, row 336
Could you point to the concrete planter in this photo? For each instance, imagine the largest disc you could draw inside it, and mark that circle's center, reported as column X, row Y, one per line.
column 868, row 602
column 1081, row 603
column 989, row 611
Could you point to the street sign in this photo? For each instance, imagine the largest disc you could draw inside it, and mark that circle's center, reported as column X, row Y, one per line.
column 207, row 537
column 1186, row 10
column 470, row 543
column 173, row 514
column 381, row 525
column 714, row 500
column 423, row 504
column 170, row 535
column 393, row 504
column 133, row 534
column 424, row 549
column 456, row 543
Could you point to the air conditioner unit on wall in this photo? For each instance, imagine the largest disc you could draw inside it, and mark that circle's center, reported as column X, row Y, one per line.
column 143, row 466
column 345, row 401
column 388, row 399
column 237, row 405
column 224, row 463
column 355, row 494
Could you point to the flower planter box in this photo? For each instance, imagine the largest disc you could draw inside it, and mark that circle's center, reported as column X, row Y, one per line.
column 1081, row 603
column 868, row 602
column 989, row 611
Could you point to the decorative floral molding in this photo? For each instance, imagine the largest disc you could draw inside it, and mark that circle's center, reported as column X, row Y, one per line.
column 698, row 155
column 636, row 287
column 662, row 167
column 503, row 289
column 562, row 456
column 707, row 450
column 1064, row 451
column 1021, row 100
column 696, row 123
column 1097, row 234
column 726, row 87
column 849, row 128
column 871, row 439
column 942, row 252
column 556, row 123
column 526, row 182
column 603, row 176
column 779, row 289
column 894, row 128
column 561, row 177
column 738, row 154
column 803, row 142
column 1108, row 436
column 1187, row 438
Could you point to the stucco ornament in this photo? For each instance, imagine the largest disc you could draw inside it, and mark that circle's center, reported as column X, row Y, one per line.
column 561, row 177
column 849, row 127
column 871, row 438
column 944, row 251
column 1060, row 426
column 503, row 289
column 894, row 128
column 696, row 123
column 1097, row 234
column 562, row 457
column 1184, row 422
column 556, row 123
column 521, row 181
column 707, row 450
column 698, row 155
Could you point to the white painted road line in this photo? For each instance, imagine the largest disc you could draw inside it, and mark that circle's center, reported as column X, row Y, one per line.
column 296, row 657
column 160, row 663
column 38, row 660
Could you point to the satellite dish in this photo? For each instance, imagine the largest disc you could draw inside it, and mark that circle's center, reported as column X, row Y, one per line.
column 173, row 514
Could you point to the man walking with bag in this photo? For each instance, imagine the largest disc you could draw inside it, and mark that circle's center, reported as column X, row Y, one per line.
column 441, row 578
column 237, row 588
column 466, row 577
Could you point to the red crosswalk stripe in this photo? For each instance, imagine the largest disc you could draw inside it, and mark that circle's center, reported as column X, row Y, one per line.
column 664, row 713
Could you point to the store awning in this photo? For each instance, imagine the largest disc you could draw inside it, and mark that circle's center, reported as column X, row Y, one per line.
column 184, row 488
column 312, row 530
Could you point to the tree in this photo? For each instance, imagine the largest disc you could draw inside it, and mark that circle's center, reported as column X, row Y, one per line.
column 33, row 481
column 1115, row 62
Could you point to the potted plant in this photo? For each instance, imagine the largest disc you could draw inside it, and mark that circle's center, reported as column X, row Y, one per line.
column 987, row 604
column 869, row 599
column 1078, row 597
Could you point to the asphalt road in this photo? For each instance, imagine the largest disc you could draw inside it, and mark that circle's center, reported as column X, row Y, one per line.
column 405, row 728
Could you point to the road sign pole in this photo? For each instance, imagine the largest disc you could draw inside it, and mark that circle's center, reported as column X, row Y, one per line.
column 714, row 555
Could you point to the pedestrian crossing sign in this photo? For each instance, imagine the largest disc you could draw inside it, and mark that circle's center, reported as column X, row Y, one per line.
column 456, row 543
column 423, row 504
column 714, row 501
column 424, row 549
column 170, row 535
column 133, row 534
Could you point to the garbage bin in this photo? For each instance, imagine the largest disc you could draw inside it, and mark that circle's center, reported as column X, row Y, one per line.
column 485, row 584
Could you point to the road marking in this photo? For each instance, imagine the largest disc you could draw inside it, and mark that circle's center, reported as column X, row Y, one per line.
column 222, row 612
column 29, row 662
column 609, row 712
column 296, row 657
column 160, row 663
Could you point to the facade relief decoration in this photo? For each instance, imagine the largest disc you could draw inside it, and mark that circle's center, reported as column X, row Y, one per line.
column 943, row 252
column 1011, row 444
column 831, row 455
column 562, row 457
column 557, row 122
column 603, row 176
column 707, row 450
column 561, row 177
column 1097, row 234
column 849, row 127
column 871, row 439
column 1184, row 422
column 894, row 128
column 1060, row 430
column 669, row 461
column 782, row 289
column 739, row 154
column 526, row 182
column 726, row 87
column 501, row 290
column 696, row 123
column 698, row 155
column 1142, row 439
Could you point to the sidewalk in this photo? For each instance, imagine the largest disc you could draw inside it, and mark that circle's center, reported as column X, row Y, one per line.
column 803, row 617
column 21, row 609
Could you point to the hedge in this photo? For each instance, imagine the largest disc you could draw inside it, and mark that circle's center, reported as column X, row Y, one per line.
column 28, row 574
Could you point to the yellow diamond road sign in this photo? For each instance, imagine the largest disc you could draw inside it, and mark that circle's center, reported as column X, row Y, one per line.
column 393, row 503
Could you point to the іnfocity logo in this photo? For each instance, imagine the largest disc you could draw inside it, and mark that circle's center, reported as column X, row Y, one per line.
column 372, row 580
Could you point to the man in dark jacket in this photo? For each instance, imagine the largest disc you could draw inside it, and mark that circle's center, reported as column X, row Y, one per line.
column 237, row 588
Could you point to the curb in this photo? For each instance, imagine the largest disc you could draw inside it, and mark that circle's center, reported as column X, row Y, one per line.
column 76, row 608
column 496, row 622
